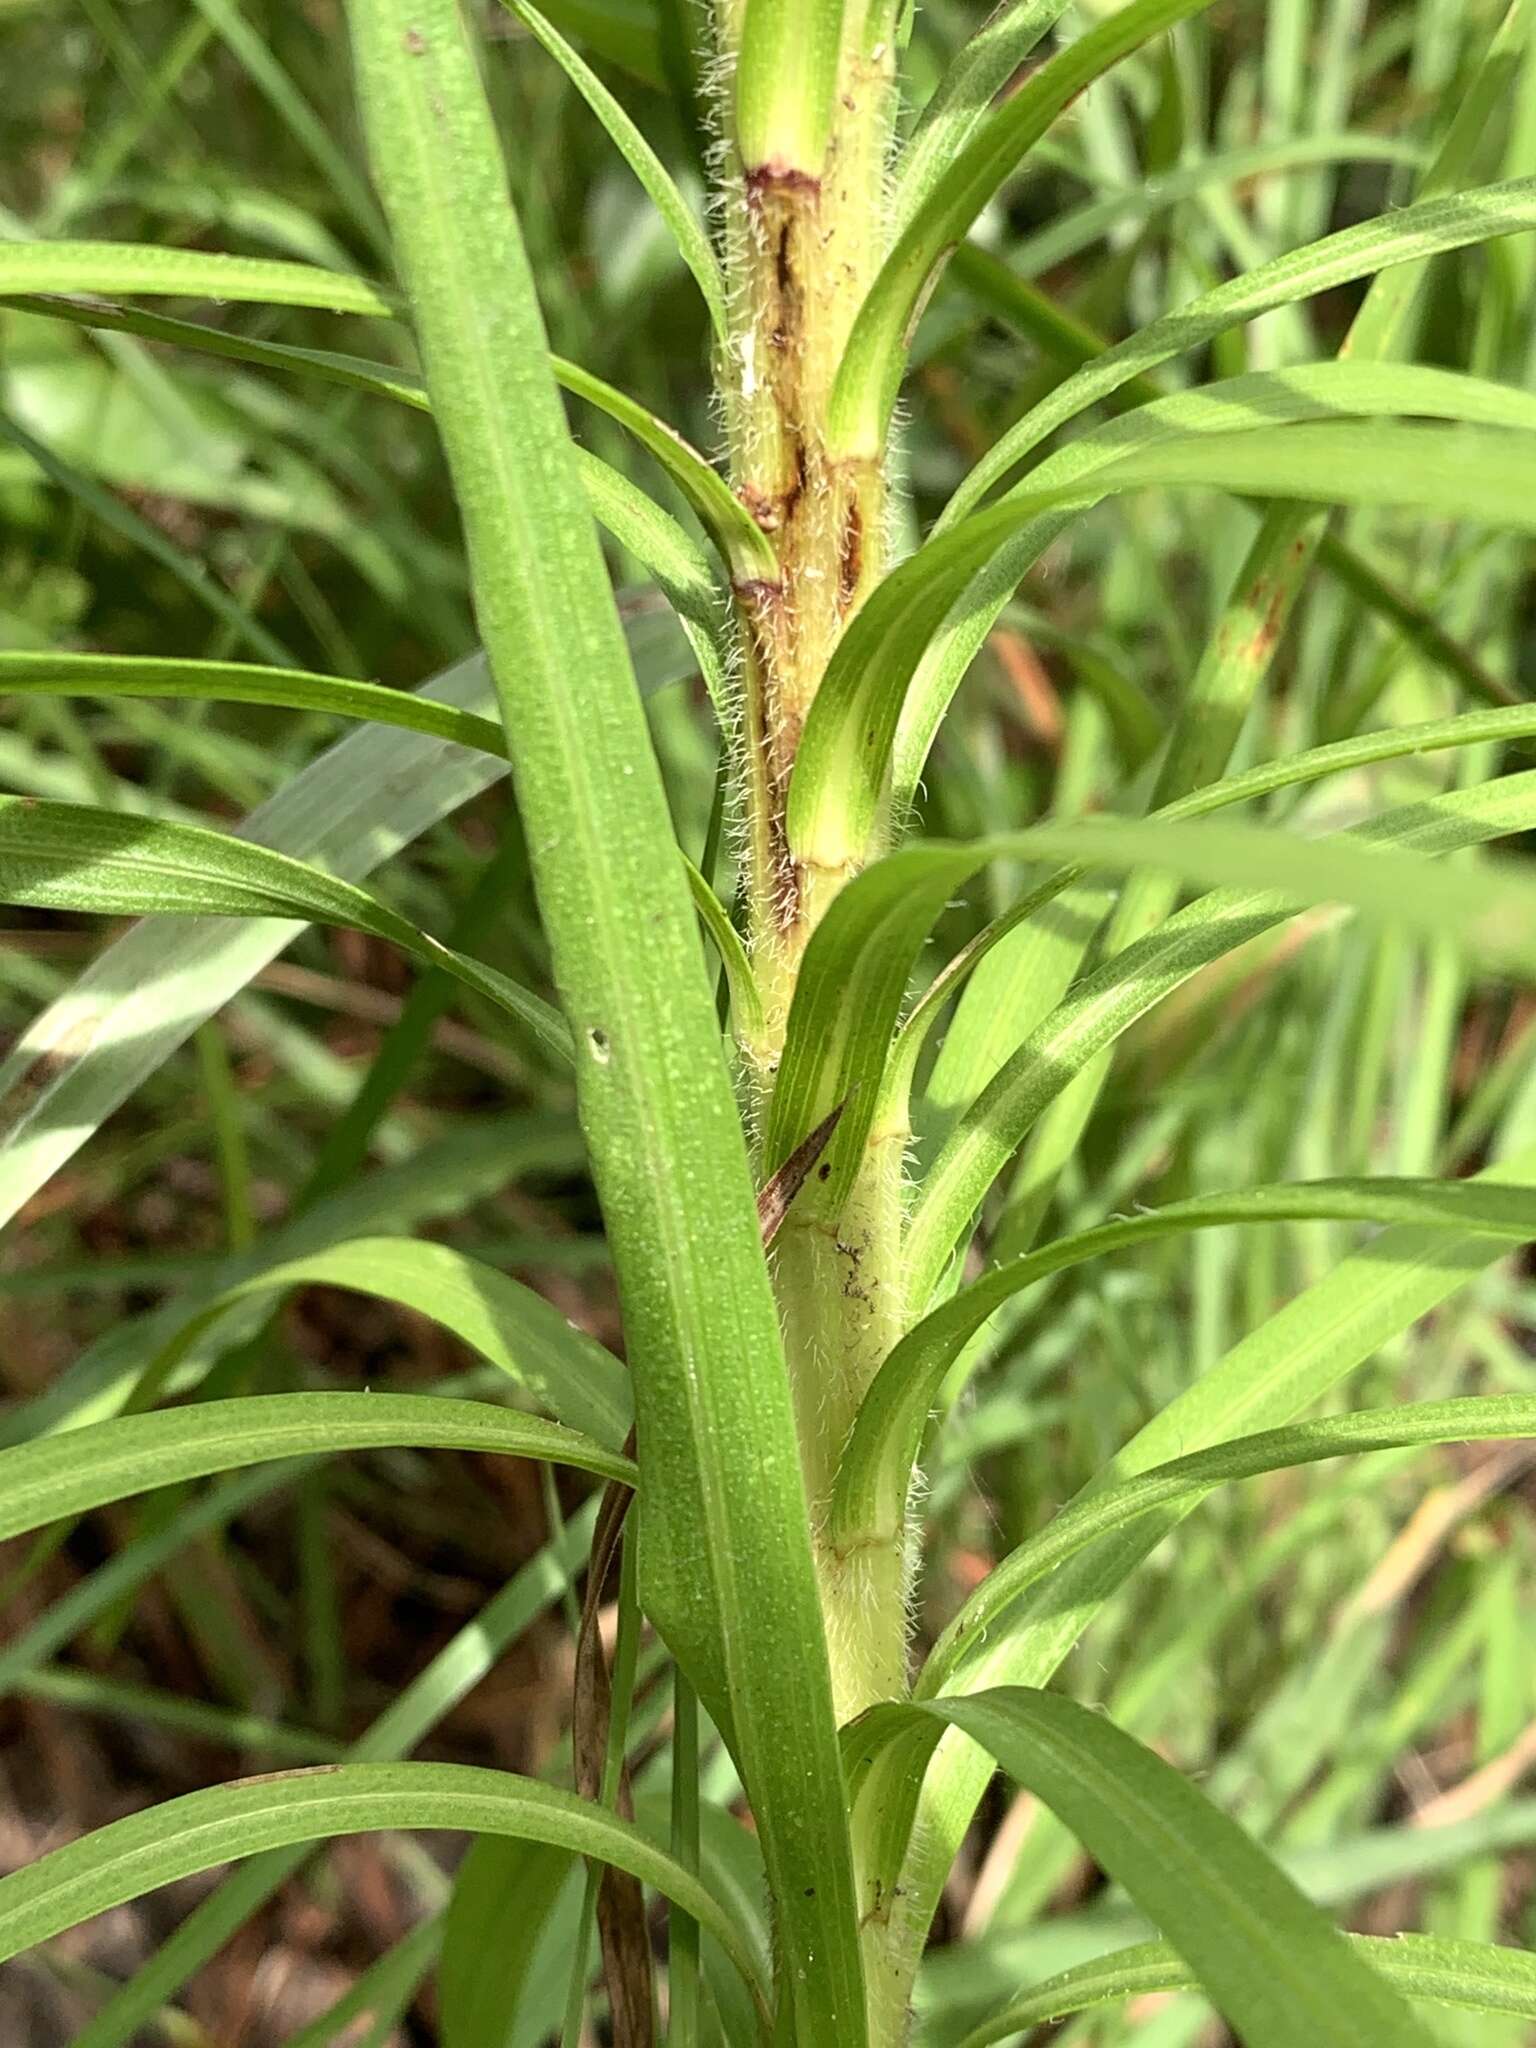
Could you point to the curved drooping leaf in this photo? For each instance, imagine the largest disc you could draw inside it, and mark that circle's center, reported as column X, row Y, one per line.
column 238, row 682
column 1079, row 228
column 746, row 997
column 860, row 956
column 745, row 547
column 351, row 808
column 1428, row 228
column 34, row 270
column 843, row 766
column 1271, row 1962
column 1396, row 243
column 1308, row 1347
column 650, row 534
column 692, row 242
column 864, row 394
column 61, row 1476
column 133, row 268
column 1473, row 1976
column 180, row 1837
column 876, row 1470
column 622, row 32
column 75, row 857
column 1101, row 1006
column 433, row 1693
column 1181, row 1482
column 964, row 1056
column 569, row 1373
column 725, row 1561
column 977, row 73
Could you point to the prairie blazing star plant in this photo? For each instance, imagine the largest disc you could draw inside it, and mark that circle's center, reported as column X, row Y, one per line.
column 879, row 1027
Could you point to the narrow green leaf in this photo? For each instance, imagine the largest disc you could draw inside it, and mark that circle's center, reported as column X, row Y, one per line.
column 746, row 548
column 1303, row 1351
column 139, row 269
column 653, row 536
column 746, row 998
column 876, row 1472
column 978, row 72
column 517, row 1330
column 235, row 682
column 726, row 1570
column 870, row 373
column 1476, row 1976
column 351, row 808
column 69, row 1475
column 183, row 1836
column 621, row 32
column 843, row 766
column 431, row 1695
column 1101, row 1006
column 75, row 857
column 1184, row 1481
column 1410, row 235
column 1273, row 1965
column 692, row 242
column 861, row 955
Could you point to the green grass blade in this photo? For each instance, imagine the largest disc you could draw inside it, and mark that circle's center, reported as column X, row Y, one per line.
column 649, row 533
column 746, row 998
column 1287, row 1363
column 430, row 1696
column 979, row 71
column 236, row 682
column 692, row 242
column 975, row 1045
column 844, row 762
column 1429, row 228
column 745, row 547
column 1184, row 1481
column 1275, row 1967
column 876, row 1472
column 856, row 968
column 726, row 1570
column 133, row 269
column 69, row 1475
column 517, row 1330
column 183, row 1836
column 870, row 373
column 350, row 809
column 1475, row 1976
column 74, row 857
column 313, row 135
column 1101, row 1007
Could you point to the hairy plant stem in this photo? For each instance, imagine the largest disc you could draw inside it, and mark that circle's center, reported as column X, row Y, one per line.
column 803, row 243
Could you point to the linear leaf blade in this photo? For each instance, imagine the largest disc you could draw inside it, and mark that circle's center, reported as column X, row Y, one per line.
column 62, row 1476
column 726, row 1568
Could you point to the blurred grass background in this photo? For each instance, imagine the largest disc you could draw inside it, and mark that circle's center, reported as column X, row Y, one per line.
column 1343, row 1655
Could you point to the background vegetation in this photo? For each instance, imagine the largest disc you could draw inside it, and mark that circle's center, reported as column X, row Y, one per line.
column 1345, row 1663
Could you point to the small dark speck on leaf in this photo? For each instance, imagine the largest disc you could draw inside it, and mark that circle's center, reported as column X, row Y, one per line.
column 415, row 42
